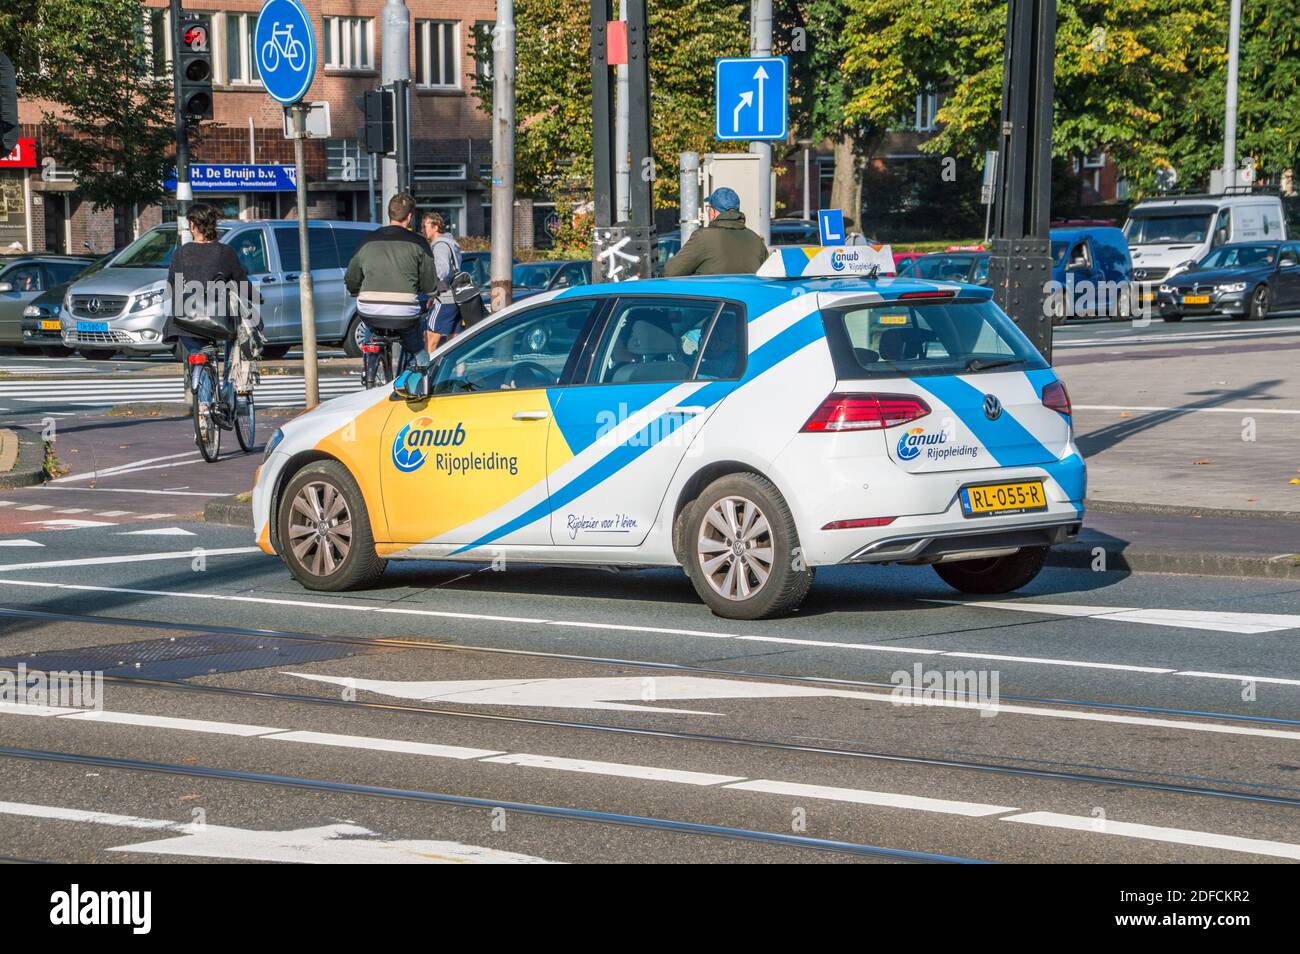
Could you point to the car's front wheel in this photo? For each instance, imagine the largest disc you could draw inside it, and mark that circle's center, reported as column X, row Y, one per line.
column 324, row 530
column 1172, row 316
column 994, row 574
column 742, row 549
column 1259, row 304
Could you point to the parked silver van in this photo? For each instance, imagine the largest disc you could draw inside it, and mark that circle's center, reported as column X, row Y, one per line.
column 123, row 306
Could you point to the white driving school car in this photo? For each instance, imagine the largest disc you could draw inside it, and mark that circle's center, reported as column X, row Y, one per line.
column 746, row 428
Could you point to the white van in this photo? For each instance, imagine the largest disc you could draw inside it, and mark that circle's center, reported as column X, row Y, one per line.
column 1166, row 235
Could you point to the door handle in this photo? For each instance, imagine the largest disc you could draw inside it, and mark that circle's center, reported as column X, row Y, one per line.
column 531, row 415
column 291, row 277
column 689, row 410
column 265, row 279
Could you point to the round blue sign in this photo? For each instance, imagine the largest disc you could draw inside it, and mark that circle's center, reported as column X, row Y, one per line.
column 285, row 46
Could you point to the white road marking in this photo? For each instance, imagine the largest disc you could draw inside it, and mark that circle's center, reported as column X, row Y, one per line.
column 479, row 617
column 615, row 769
column 109, row 471
column 339, row 843
column 860, row 797
column 127, row 557
column 430, row 749
column 20, row 543
column 1177, row 836
column 36, row 507
column 1245, row 623
column 74, row 510
column 69, row 524
column 1058, row 662
column 157, row 531
column 1248, row 411
column 113, row 513
column 134, row 490
column 1272, row 680
column 525, row 760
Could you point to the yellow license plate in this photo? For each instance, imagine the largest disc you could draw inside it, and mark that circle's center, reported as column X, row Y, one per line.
column 1020, row 497
column 1196, row 299
column 1147, row 296
column 50, row 325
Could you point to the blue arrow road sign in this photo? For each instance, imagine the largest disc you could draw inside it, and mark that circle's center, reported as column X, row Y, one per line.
column 830, row 223
column 752, row 98
column 285, row 46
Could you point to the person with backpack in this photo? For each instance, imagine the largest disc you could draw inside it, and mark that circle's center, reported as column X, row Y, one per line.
column 444, row 317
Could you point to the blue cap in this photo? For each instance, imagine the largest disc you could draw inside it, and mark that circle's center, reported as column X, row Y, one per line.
column 724, row 199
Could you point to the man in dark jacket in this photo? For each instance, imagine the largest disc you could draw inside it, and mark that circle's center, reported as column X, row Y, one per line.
column 392, row 274
column 724, row 246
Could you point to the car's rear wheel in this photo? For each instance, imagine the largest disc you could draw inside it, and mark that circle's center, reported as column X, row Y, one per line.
column 1259, row 304
column 274, row 352
column 742, row 549
column 354, row 339
column 994, row 574
column 324, row 530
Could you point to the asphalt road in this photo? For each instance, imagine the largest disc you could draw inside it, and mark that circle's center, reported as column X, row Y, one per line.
column 461, row 713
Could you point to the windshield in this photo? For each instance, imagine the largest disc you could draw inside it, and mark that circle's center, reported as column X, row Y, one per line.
column 903, row 339
column 950, row 268
column 1239, row 256
column 533, row 274
column 1167, row 229
column 153, row 249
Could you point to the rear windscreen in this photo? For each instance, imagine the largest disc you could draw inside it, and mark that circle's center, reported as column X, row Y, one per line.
column 889, row 340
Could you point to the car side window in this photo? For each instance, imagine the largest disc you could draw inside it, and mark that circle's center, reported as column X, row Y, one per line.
column 1290, row 256
column 60, row 272
column 724, row 347
column 286, row 243
column 1079, row 258
column 652, row 339
column 250, row 247
column 531, row 349
column 25, row 278
column 348, row 241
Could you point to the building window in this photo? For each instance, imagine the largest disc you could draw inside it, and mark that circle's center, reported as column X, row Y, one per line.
column 927, row 105
column 347, row 43
column 240, row 61
column 1096, row 161
column 483, row 49
column 343, row 157
column 444, row 171
column 158, row 40
column 437, row 53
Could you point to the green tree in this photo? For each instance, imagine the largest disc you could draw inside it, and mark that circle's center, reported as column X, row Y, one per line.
column 111, row 122
column 553, row 149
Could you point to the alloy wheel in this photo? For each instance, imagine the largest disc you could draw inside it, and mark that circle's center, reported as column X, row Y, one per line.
column 735, row 548
column 320, row 528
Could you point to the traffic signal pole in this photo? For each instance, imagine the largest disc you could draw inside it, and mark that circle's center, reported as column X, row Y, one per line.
column 183, row 192
column 306, row 291
column 503, row 155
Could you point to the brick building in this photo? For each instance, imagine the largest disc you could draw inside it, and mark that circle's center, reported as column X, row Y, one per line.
column 451, row 150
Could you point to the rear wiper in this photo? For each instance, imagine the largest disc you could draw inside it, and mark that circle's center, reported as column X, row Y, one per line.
column 979, row 364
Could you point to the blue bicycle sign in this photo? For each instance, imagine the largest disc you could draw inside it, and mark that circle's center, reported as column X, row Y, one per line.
column 286, row 50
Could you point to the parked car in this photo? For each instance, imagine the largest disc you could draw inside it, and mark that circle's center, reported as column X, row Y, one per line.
column 970, row 267
column 123, row 306
column 1243, row 280
column 1166, row 235
column 530, row 278
column 41, row 325
column 1093, row 268
column 902, row 258
column 795, row 232
column 25, row 277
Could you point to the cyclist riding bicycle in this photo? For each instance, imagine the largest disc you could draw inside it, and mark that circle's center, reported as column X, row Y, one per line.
column 392, row 276
column 212, row 299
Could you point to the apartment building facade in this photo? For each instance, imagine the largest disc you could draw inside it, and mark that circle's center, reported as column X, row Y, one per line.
column 450, row 133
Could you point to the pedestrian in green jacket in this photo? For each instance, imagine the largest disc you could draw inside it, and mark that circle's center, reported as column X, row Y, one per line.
column 724, row 246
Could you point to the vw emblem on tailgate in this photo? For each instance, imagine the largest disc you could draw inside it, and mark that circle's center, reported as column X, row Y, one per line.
column 992, row 407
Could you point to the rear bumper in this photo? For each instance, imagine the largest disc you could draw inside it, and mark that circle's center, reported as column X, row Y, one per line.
column 939, row 546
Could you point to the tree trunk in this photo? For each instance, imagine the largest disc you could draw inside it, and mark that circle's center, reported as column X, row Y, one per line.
column 846, row 186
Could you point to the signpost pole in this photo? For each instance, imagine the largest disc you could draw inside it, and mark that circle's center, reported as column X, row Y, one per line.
column 311, row 383
column 183, row 193
column 760, row 44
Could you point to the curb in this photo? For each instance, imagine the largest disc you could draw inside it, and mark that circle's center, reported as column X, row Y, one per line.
column 1136, row 559
column 229, row 511
column 29, row 467
column 1178, row 510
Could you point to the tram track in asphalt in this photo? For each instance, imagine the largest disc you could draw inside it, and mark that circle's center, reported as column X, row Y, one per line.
column 1218, row 787
column 580, row 815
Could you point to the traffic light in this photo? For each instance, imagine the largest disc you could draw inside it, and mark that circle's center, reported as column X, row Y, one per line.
column 377, row 134
column 195, row 67
column 8, row 107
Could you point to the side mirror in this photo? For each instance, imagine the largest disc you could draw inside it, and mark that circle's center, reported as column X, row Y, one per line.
column 412, row 385
column 6, row 286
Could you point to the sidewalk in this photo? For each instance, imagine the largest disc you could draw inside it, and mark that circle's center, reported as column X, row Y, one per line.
column 22, row 459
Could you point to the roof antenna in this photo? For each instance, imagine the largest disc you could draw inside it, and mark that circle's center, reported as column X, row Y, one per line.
column 873, row 272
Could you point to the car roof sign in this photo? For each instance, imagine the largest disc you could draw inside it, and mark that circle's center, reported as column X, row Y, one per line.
column 835, row 261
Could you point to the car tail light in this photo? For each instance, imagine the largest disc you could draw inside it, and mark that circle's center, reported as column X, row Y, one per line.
column 859, row 522
column 864, row 412
column 943, row 293
column 1057, row 398
column 197, row 358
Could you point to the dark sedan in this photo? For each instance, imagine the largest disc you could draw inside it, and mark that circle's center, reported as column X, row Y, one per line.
column 1242, row 280
column 530, row 278
column 41, row 322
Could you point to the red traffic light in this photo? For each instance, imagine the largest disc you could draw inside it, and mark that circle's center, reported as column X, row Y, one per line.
column 196, row 39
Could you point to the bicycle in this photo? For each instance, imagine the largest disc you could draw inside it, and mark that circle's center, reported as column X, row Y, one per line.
column 378, row 367
column 224, row 411
column 282, row 43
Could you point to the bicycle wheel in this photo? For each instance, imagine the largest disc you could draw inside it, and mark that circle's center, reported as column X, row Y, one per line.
column 207, row 432
column 245, row 421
